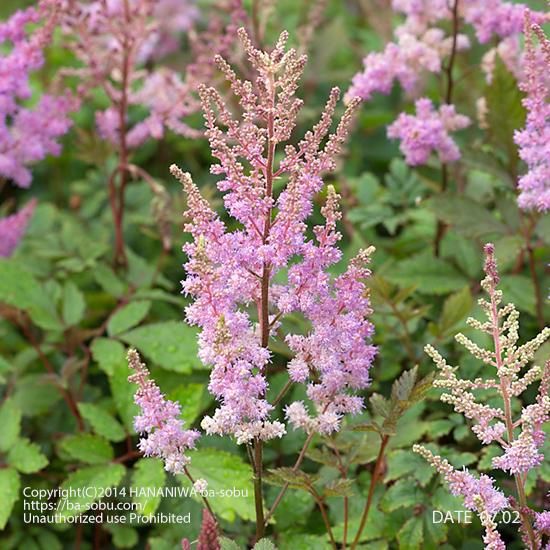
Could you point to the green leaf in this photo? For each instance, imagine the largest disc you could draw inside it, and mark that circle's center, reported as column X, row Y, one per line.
column 124, row 536
column 402, row 494
column 108, row 280
column 109, row 354
column 430, row 275
column 228, row 473
column 10, row 421
column 519, row 290
column 19, row 288
column 87, row 448
column 380, row 405
column 411, row 535
column 507, row 250
column 455, row 309
column 102, row 422
column 295, row 479
column 228, row 544
column 467, row 216
column 74, row 304
column 148, row 473
column 171, row 345
column 26, row 457
column 92, row 482
column 264, row 544
column 189, row 396
column 505, row 112
column 402, row 463
column 339, row 488
column 128, row 316
column 9, row 489
column 403, row 386
column 35, row 394
column 123, row 395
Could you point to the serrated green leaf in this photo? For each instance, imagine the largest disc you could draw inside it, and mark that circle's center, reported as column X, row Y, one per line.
column 228, row 544
column 339, row 488
column 189, row 396
column 124, row 536
column 19, row 288
column 380, row 405
column 109, row 281
column 171, row 345
column 402, row 463
column 128, row 316
column 148, row 473
column 431, row 275
column 505, row 112
column 87, row 448
column 455, row 308
column 9, row 489
column 92, row 482
column 402, row 494
column 35, row 394
column 411, row 535
column 467, row 216
column 74, row 304
column 225, row 471
column 103, row 423
column 402, row 387
column 123, row 395
column 108, row 354
column 519, row 290
column 295, row 478
column 264, row 544
column 10, row 420
column 26, row 457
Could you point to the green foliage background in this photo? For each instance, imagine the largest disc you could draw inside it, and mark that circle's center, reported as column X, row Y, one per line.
column 67, row 317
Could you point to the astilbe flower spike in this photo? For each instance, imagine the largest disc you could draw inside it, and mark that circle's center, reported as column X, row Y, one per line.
column 28, row 135
column 422, row 46
column 520, row 439
column 160, row 420
column 228, row 271
column 12, row 228
column 534, row 140
column 428, row 131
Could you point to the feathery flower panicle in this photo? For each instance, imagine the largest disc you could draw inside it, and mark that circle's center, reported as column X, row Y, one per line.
column 113, row 41
column 230, row 273
column 427, row 132
column 12, row 228
column 160, row 420
column 421, row 46
column 521, row 439
column 28, row 135
column 534, row 140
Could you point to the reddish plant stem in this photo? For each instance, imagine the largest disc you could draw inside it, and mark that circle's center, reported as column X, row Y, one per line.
column 204, row 499
column 264, row 309
column 324, row 515
column 285, row 487
column 118, row 196
column 67, row 395
column 441, row 226
column 374, row 480
column 505, row 391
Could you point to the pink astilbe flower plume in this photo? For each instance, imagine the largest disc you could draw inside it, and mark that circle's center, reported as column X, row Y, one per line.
column 534, row 140
column 28, row 135
column 427, row 132
column 231, row 274
column 521, row 439
column 12, row 228
column 160, row 420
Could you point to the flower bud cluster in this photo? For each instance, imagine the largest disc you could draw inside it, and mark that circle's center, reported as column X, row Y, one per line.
column 521, row 439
